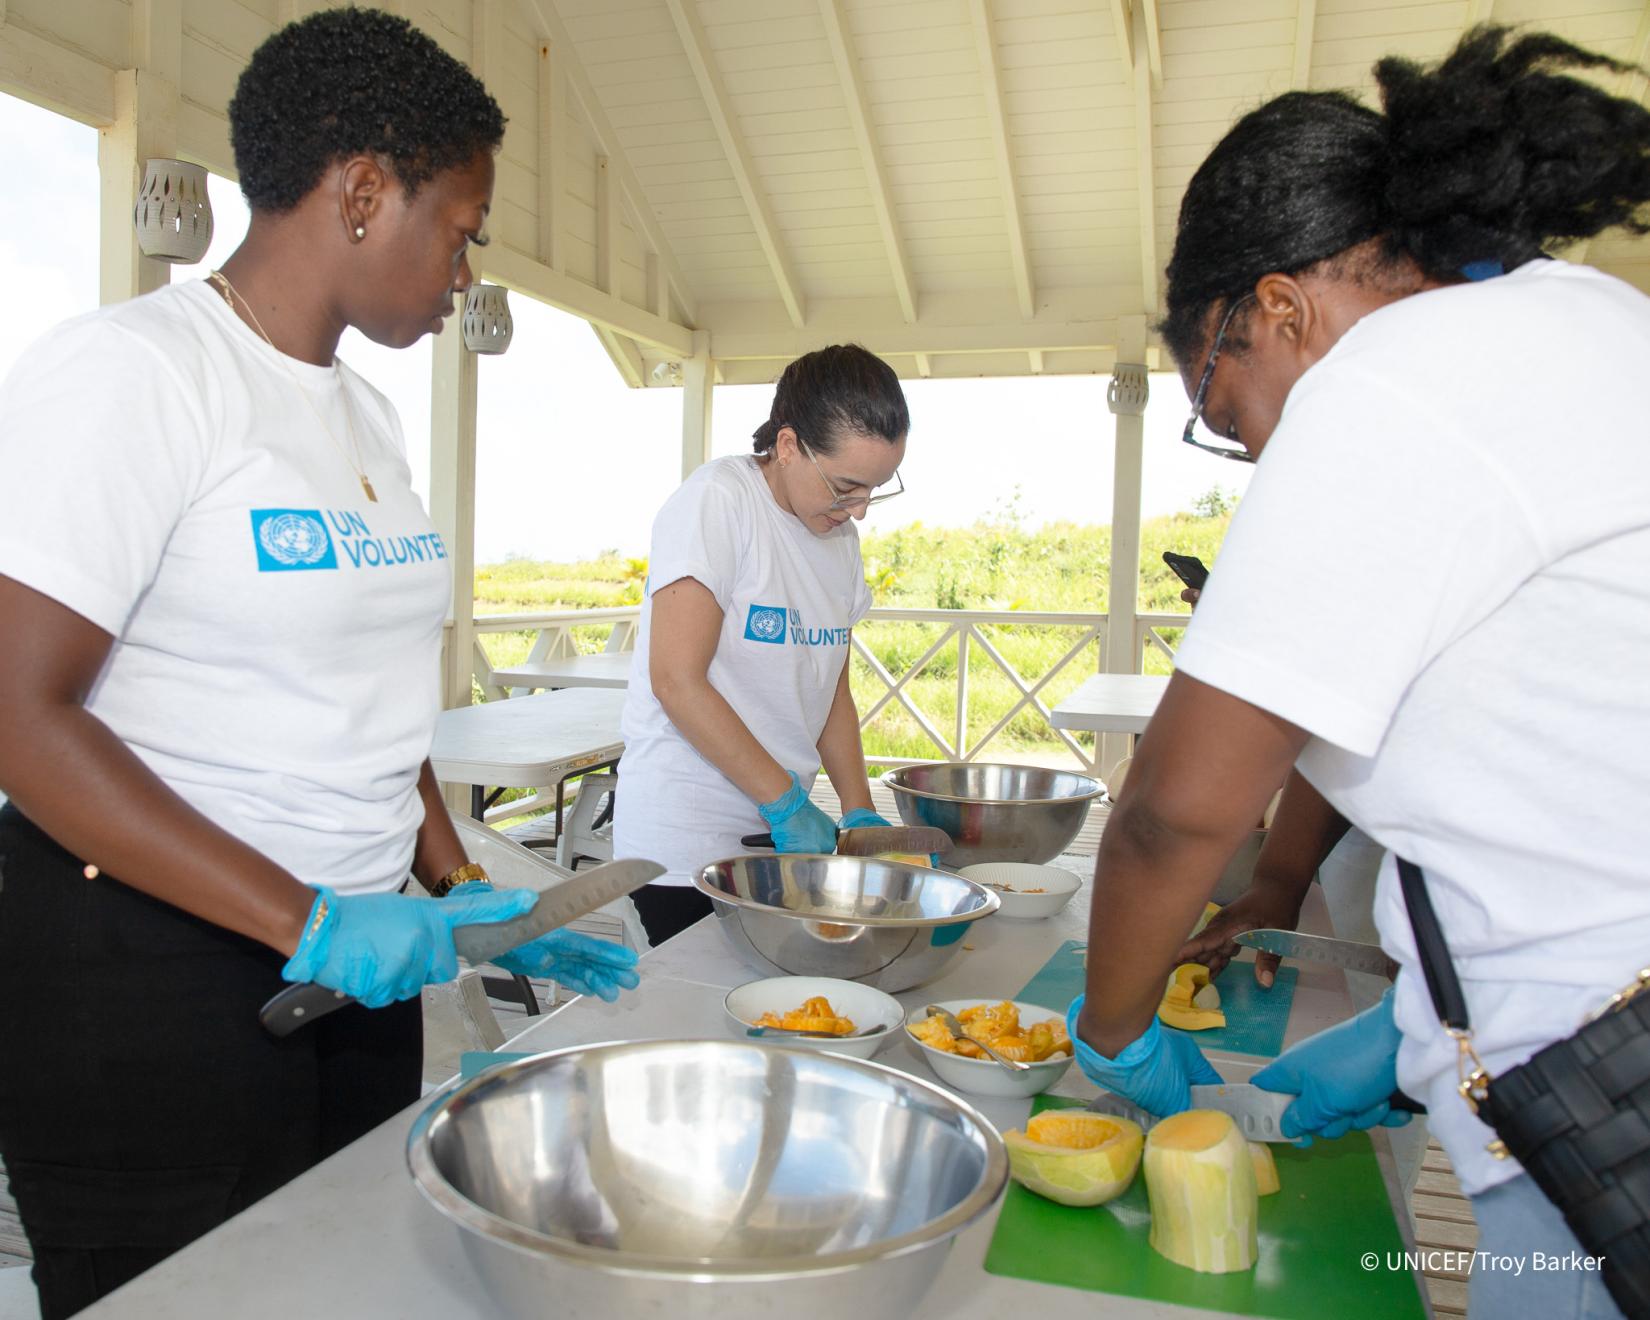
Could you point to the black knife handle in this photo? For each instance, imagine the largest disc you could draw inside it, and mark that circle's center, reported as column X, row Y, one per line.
column 299, row 1004
column 756, row 841
column 1398, row 1100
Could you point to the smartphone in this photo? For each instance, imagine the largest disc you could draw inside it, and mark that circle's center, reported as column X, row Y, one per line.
column 1188, row 568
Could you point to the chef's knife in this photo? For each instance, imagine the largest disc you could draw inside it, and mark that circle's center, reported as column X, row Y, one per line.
column 1349, row 954
column 870, row 840
column 1257, row 1112
column 481, row 942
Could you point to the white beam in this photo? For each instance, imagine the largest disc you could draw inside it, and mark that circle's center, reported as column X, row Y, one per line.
column 453, row 498
column 1147, row 11
column 486, row 41
column 853, row 95
column 698, row 388
column 553, row 129
column 505, row 265
column 56, row 77
column 1478, row 11
column 607, row 229
column 985, row 44
column 721, row 112
column 551, row 28
column 925, row 368
column 1131, row 388
column 1306, row 16
column 1145, row 182
column 157, row 38
column 985, row 337
column 657, row 287
column 1123, row 30
column 1036, row 356
column 145, row 125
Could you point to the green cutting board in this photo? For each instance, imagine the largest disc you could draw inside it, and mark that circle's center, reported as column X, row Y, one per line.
column 1314, row 1236
column 1255, row 1019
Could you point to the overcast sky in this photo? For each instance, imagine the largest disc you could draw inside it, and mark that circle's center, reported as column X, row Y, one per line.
column 571, row 461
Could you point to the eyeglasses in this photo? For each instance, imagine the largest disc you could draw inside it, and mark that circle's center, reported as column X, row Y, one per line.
column 1190, row 434
column 849, row 503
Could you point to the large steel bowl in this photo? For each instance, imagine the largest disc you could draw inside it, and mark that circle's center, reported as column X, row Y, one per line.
column 887, row 924
column 713, row 1179
column 995, row 813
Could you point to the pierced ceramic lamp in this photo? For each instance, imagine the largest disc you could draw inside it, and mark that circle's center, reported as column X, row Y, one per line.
column 173, row 215
column 487, row 323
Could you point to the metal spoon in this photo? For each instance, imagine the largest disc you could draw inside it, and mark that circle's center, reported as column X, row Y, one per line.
column 1013, row 1065
column 755, row 1031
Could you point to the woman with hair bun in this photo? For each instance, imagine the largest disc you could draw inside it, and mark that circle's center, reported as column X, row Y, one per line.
column 739, row 689
column 1453, row 487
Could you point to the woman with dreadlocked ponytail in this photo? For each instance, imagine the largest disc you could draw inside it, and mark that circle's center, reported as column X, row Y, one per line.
column 1452, row 433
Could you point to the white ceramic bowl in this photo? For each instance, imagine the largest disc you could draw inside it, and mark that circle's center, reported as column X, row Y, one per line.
column 1010, row 881
column 875, row 1014
column 983, row 1076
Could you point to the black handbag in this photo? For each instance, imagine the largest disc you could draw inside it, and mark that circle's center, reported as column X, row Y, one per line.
column 1576, row 1114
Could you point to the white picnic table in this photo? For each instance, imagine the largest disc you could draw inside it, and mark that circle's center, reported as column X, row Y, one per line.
column 353, row 1237
column 604, row 669
column 528, row 742
column 1111, row 703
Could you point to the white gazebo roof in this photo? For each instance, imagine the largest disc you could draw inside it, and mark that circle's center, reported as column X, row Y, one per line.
column 969, row 187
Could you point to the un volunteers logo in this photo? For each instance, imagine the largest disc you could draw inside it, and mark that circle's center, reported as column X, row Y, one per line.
column 766, row 623
column 291, row 539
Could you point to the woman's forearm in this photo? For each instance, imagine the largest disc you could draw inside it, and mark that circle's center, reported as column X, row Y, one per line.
column 1304, row 831
column 439, row 851
column 69, row 774
column 842, row 750
column 714, row 729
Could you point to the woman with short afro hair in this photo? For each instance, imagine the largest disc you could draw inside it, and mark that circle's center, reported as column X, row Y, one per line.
column 1452, row 490
column 221, row 607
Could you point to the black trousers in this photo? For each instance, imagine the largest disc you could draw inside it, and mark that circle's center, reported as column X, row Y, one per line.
column 141, row 1104
column 668, row 910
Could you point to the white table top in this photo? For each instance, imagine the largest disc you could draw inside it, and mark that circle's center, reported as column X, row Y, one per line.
column 353, row 1237
column 1111, row 703
column 604, row 669
column 528, row 742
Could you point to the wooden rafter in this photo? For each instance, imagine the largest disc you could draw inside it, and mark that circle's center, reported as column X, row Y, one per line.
column 985, row 43
column 550, row 28
column 552, row 126
column 1306, row 14
column 853, row 96
column 622, row 349
column 1478, row 11
column 720, row 109
column 1145, row 169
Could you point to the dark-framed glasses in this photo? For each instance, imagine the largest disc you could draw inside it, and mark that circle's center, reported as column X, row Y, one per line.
column 1189, row 436
column 849, row 503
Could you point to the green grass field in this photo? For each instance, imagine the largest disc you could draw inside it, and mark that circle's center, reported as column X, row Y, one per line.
column 994, row 565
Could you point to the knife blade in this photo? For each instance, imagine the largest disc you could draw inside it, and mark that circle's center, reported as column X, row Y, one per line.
column 1347, row 954
column 1257, row 1113
column 481, row 942
column 871, row 840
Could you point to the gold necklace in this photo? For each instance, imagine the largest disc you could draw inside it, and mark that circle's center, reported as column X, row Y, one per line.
column 230, row 293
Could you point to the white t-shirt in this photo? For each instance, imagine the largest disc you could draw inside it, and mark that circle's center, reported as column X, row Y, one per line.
column 789, row 599
column 277, row 634
column 1441, row 570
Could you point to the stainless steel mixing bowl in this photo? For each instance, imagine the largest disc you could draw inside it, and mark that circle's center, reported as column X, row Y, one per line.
column 995, row 813
column 887, row 924
column 716, row 1179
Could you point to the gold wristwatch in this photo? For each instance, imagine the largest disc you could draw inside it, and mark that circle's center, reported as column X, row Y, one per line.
column 459, row 875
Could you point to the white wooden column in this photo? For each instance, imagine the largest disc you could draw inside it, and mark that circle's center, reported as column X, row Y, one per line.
column 145, row 125
column 698, row 382
column 1126, row 397
column 453, row 499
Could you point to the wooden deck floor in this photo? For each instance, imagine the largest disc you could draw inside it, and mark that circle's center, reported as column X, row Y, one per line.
column 1443, row 1216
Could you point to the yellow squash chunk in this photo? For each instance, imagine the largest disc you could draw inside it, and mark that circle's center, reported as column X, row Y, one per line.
column 1266, row 1168
column 908, row 859
column 1209, row 910
column 1200, row 1180
column 1074, row 1157
column 1179, row 1007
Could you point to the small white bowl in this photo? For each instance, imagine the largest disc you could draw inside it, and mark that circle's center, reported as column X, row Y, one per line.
column 984, row 1076
column 1010, row 880
column 875, row 1015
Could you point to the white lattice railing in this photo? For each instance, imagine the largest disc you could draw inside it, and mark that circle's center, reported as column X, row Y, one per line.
column 963, row 630
column 1148, row 633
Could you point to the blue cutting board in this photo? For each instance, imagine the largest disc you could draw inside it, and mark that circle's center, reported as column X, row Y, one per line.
column 1255, row 1018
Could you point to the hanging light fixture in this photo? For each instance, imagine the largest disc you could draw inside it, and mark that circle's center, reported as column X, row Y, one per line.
column 487, row 323
column 173, row 215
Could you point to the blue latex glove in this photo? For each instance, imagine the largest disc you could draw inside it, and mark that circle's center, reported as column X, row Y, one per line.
column 861, row 816
column 1344, row 1077
column 379, row 948
column 580, row 962
column 1155, row 1071
column 796, row 824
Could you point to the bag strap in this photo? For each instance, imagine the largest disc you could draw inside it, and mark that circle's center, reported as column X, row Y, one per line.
column 1447, row 1000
